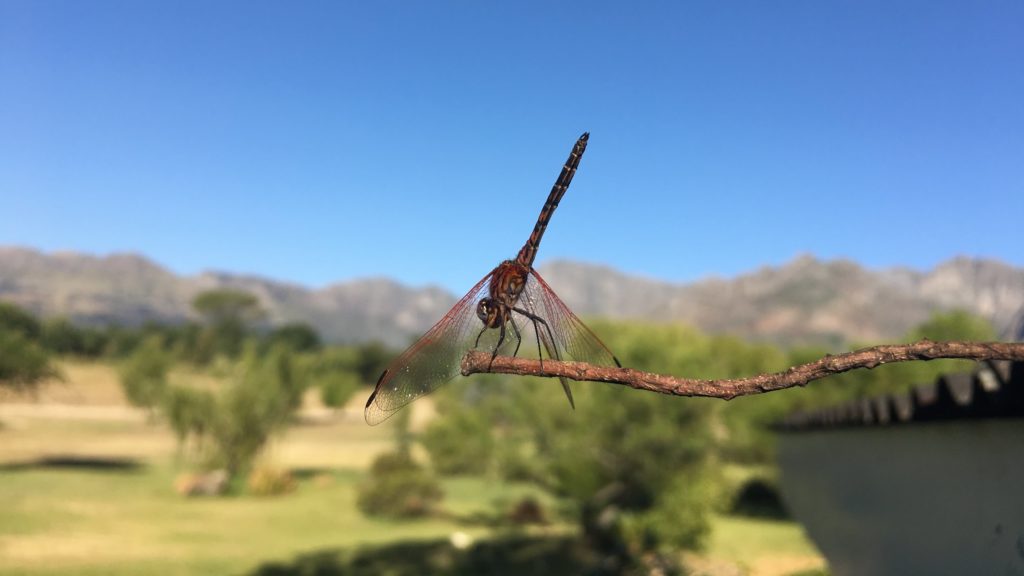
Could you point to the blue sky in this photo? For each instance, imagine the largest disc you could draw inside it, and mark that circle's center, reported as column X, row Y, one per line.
column 323, row 141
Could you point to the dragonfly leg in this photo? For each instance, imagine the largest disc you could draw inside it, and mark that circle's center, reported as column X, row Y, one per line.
column 552, row 350
column 482, row 330
column 501, row 340
column 538, row 320
column 519, row 337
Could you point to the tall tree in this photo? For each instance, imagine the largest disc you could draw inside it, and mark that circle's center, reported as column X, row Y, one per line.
column 23, row 361
column 228, row 313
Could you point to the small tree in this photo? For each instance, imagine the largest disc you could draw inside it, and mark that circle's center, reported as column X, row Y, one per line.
column 231, row 428
column 227, row 314
column 255, row 405
column 337, row 388
column 144, row 374
column 60, row 336
column 15, row 319
column 191, row 412
column 461, row 444
column 398, row 487
column 297, row 336
column 23, row 362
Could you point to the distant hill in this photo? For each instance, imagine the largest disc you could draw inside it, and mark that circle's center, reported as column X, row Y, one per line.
column 806, row 300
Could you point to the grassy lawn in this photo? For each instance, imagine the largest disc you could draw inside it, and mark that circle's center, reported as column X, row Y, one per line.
column 86, row 487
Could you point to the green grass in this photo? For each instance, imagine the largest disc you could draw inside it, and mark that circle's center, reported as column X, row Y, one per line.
column 128, row 522
column 62, row 511
column 762, row 546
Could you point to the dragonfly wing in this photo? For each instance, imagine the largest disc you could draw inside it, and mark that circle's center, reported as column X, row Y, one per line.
column 571, row 336
column 431, row 361
column 564, row 336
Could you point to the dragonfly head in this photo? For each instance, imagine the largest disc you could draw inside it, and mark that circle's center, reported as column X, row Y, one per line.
column 488, row 310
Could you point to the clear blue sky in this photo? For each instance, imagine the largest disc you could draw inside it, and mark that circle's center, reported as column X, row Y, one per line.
column 324, row 141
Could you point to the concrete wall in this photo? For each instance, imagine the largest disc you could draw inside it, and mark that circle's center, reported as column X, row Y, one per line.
column 920, row 499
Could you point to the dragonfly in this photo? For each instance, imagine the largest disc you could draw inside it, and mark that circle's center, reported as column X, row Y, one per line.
column 494, row 315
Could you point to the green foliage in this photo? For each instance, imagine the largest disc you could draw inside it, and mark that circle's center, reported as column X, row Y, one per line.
column 23, row 363
column 678, row 520
column 60, row 336
column 954, row 325
column 225, row 304
column 269, row 481
column 16, row 320
column 255, row 405
column 144, row 374
column 747, row 419
column 337, row 388
column 231, row 428
column 297, row 336
column 620, row 450
column 191, row 412
column 462, row 445
column 227, row 314
column 371, row 360
column 398, row 487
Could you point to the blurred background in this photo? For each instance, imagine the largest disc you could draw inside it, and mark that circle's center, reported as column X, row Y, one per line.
column 220, row 222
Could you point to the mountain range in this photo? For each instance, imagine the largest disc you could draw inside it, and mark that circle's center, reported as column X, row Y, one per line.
column 805, row 300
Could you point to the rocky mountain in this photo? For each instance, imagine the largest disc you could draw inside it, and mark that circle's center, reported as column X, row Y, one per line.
column 806, row 300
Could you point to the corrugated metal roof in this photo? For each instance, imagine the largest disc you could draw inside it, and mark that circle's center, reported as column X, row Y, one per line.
column 995, row 390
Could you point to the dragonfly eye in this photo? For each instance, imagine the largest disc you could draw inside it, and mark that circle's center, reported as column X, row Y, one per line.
column 483, row 309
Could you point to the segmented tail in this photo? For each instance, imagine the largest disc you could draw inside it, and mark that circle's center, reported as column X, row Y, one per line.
column 529, row 251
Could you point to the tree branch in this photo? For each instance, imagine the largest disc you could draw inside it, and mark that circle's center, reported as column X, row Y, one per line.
column 477, row 362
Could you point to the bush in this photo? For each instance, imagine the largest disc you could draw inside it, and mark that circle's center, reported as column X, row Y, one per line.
column 23, row 363
column 680, row 518
column 398, row 487
column 269, row 481
column 297, row 336
column 460, row 443
column 144, row 374
column 257, row 404
column 17, row 320
column 337, row 388
column 191, row 412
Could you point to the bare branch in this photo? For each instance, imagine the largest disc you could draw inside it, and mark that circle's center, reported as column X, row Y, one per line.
column 477, row 362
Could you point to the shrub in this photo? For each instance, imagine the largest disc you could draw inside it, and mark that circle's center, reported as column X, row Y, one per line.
column 460, row 443
column 270, row 481
column 144, row 374
column 336, row 388
column 23, row 363
column 398, row 487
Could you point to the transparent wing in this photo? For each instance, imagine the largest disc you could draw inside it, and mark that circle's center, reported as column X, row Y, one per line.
column 565, row 337
column 433, row 359
column 572, row 339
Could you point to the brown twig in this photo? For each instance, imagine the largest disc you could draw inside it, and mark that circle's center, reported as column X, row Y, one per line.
column 477, row 362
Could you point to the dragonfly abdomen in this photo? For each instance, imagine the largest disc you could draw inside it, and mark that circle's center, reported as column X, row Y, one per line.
column 529, row 250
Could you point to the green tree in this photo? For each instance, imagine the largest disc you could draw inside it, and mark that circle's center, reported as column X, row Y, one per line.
column 371, row 360
column 17, row 320
column 191, row 413
column 464, row 444
column 954, row 325
column 227, row 314
column 253, row 407
column 618, row 457
column 398, row 487
column 144, row 374
column 60, row 336
column 298, row 336
column 336, row 388
column 23, row 361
